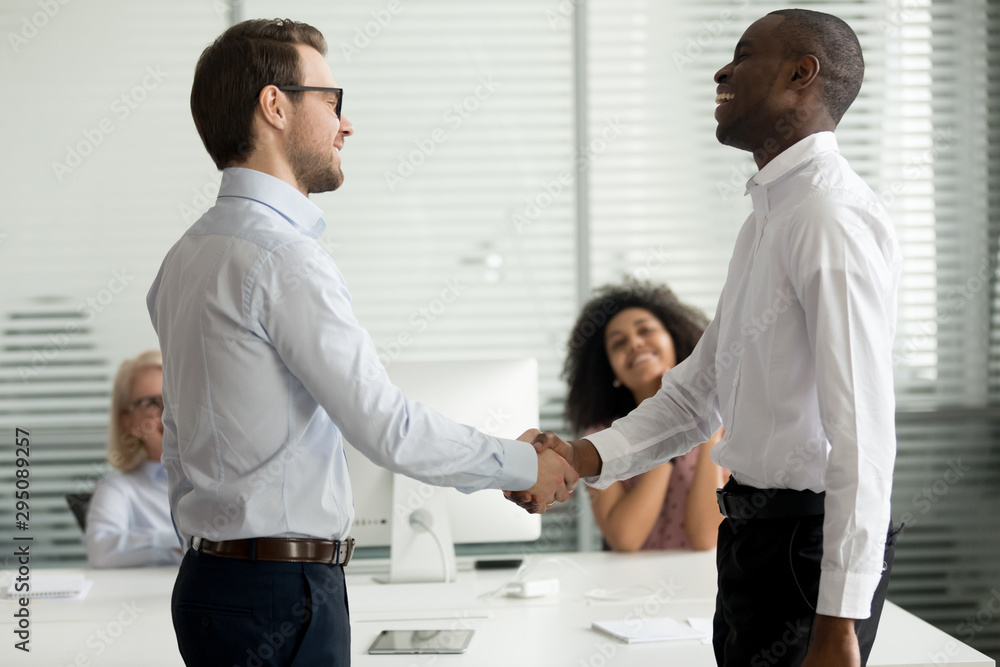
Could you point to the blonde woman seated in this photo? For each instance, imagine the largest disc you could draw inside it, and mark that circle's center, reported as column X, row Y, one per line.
column 128, row 522
column 625, row 339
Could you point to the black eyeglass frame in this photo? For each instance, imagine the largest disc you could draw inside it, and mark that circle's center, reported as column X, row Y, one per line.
column 146, row 402
column 300, row 89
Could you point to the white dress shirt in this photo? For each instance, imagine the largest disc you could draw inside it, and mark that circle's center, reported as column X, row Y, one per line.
column 128, row 521
column 798, row 360
column 266, row 370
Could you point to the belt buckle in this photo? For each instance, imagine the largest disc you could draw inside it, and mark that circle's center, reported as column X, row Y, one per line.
column 733, row 506
column 345, row 549
column 720, row 498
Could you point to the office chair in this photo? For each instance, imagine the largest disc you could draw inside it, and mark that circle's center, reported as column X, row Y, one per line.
column 78, row 504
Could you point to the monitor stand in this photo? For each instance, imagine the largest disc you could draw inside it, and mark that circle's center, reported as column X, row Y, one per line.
column 414, row 554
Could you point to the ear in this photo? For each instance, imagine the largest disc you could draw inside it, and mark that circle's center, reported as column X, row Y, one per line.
column 272, row 107
column 805, row 73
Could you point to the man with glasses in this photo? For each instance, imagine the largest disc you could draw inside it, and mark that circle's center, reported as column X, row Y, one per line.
column 266, row 370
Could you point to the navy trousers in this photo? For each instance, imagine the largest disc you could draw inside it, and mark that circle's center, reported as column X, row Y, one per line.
column 241, row 613
column 768, row 585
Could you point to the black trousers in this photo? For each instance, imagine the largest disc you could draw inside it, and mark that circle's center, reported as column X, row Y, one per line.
column 241, row 613
column 768, row 585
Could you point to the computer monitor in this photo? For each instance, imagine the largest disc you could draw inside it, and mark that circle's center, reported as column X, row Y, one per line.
column 497, row 397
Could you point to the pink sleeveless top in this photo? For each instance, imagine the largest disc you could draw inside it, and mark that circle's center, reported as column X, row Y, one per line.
column 668, row 531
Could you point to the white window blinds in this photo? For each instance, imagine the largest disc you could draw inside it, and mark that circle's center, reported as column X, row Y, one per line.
column 100, row 160
column 101, row 156
column 667, row 199
column 454, row 228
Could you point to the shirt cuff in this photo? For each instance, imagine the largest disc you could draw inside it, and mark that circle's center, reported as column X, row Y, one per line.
column 613, row 448
column 165, row 540
column 846, row 594
column 520, row 466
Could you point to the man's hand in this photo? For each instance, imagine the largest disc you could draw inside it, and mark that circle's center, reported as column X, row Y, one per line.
column 549, row 440
column 529, row 435
column 556, row 480
column 581, row 454
column 834, row 643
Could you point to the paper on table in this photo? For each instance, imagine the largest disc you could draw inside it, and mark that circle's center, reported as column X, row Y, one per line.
column 650, row 630
column 703, row 624
column 50, row 585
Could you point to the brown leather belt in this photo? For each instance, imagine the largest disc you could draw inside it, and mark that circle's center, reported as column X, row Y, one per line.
column 282, row 549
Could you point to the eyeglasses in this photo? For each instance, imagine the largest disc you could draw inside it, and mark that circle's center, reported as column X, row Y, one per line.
column 339, row 92
column 147, row 404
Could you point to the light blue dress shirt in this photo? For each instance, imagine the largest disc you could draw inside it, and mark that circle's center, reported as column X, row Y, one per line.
column 266, row 371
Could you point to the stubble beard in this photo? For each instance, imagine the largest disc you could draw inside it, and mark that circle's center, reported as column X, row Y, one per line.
column 739, row 132
column 312, row 169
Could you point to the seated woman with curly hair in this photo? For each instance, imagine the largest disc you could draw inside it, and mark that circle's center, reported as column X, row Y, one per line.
column 128, row 522
column 625, row 339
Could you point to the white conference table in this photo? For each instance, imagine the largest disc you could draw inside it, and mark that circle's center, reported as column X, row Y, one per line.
column 125, row 619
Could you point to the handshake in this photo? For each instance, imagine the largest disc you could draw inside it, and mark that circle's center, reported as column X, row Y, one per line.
column 560, row 466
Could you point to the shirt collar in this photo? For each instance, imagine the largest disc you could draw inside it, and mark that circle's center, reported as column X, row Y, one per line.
column 276, row 194
column 794, row 156
column 152, row 470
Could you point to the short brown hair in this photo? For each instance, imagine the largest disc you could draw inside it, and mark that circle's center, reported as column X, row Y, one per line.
column 231, row 73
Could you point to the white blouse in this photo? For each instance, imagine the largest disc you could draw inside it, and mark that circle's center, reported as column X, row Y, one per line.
column 128, row 522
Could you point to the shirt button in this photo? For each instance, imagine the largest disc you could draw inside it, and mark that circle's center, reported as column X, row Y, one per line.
column 736, row 381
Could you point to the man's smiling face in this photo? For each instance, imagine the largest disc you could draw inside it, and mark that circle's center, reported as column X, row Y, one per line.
column 748, row 93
